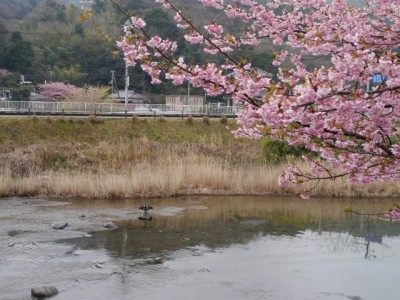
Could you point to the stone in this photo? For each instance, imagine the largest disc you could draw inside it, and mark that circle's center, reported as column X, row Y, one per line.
column 44, row 291
column 82, row 216
column 145, row 216
column 72, row 250
column 110, row 225
column 59, row 225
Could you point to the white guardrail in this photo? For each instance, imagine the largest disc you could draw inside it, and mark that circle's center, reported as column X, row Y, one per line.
column 113, row 108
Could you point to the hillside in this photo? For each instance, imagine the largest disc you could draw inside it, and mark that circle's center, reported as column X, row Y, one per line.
column 54, row 44
column 63, row 48
column 16, row 9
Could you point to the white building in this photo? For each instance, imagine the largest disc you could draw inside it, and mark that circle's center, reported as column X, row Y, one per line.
column 175, row 101
column 133, row 97
column 86, row 4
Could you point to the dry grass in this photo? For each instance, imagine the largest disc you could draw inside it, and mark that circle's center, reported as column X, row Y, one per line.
column 151, row 163
column 144, row 180
column 189, row 176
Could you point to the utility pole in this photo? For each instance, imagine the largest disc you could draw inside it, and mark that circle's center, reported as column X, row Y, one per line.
column 114, row 83
column 127, row 23
column 188, row 95
column 126, row 85
column 51, row 73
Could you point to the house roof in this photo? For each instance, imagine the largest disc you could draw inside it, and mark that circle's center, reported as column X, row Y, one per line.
column 131, row 95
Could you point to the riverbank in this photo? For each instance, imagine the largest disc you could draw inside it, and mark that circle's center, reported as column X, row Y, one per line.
column 133, row 158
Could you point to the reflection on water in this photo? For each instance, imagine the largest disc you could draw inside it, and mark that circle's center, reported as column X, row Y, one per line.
column 218, row 222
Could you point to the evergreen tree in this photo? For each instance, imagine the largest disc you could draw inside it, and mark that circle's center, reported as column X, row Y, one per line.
column 18, row 54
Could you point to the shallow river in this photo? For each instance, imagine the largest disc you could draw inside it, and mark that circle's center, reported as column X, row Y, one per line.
column 200, row 248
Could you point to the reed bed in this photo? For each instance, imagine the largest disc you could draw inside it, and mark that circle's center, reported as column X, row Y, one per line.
column 192, row 176
column 147, row 160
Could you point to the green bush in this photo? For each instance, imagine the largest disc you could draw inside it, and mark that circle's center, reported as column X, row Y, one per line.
column 20, row 94
column 277, row 151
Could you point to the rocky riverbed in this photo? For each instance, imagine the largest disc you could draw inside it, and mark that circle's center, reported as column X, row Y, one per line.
column 30, row 255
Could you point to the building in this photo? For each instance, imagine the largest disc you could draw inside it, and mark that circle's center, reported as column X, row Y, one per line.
column 23, row 81
column 86, row 4
column 133, row 97
column 174, row 101
column 5, row 95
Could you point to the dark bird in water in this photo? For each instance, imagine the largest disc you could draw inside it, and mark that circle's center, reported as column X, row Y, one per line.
column 145, row 212
column 145, row 207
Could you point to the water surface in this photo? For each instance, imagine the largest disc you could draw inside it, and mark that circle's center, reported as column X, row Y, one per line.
column 204, row 248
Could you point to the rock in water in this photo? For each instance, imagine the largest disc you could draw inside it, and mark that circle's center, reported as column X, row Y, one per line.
column 110, row 225
column 59, row 225
column 44, row 291
column 145, row 217
column 72, row 250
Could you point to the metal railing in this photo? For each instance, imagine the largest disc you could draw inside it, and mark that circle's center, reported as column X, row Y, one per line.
column 113, row 108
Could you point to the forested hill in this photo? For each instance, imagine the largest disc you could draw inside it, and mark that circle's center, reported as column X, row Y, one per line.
column 16, row 9
column 48, row 40
column 52, row 42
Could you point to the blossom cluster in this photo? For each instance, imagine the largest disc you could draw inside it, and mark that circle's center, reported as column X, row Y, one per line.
column 393, row 214
column 57, row 90
column 335, row 110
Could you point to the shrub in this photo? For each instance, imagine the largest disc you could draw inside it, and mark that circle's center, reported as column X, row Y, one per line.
column 224, row 120
column 162, row 119
column 206, row 120
column 20, row 94
column 189, row 119
column 135, row 119
column 96, row 120
column 92, row 119
column 277, row 151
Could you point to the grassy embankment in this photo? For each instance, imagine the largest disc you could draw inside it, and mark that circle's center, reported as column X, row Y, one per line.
column 141, row 158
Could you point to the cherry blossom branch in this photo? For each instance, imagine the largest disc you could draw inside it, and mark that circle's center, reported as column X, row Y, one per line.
column 325, row 108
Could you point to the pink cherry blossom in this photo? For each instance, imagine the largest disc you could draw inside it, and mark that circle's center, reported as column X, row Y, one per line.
column 393, row 214
column 335, row 110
